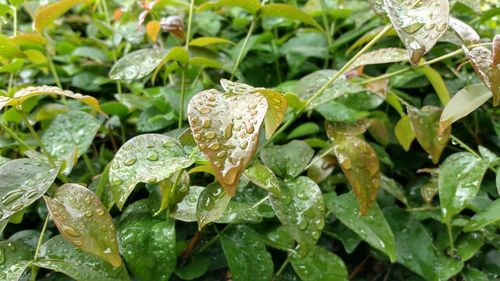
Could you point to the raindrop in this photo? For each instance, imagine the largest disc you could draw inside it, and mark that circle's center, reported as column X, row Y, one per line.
column 100, row 212
column 209, row 135
column 152, row 179
column 127, row 146
column 70, row 231
column 152, row 156
column 302, row 196
column 214, row 146
column 12, row 196
column 2, row 256
column 206, row 124
column 303, row 224
column 208, row 203
column 130, row 161
column 320, row 224
column 16, row 207
column 117, row 181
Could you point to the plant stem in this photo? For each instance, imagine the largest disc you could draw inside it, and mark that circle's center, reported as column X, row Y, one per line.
column 183, row 93
column 450, row 237
column 317, row 158
column 470, row 150
column 88, row 163
column 260, row 202
column 53, row 71
column 15, row 136
column 211, row 241
column 34, row 269
column 104, row 8
column 190, row 21
column 243, row 47
column 282, row 267
column 37, row 137
column 327, row 33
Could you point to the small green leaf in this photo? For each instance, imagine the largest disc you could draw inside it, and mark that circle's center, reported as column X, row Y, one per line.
column 264, row 178
column 287, row 160
column 240, row 212
column 393, row 188
column 290, row 12
column 486, row 217
column 45, row 15
column 246, row 254
column 15, row 257
column 319, row 264
column 206, row 41
column 472, row 274
column 59, row 255
column 147, row 243
column 463, row 103
column 468, row 34
column 418, row 24
column 137, row 64
column 276, row 109
column 437, row 83
column 460, row 177
column 226, row 128
column 84, row 221
column 175, row 54
column 404, row 132
column 468, row 245
column 186, row 209
column 372, row 228
column 211, row 204
column 425, row 124
column 251, row 6
column 148, row 158
column 303, row 130
column 360, row 165
column 301, row 210
column 173, row 189
column 195, row 268
column 446, row 267
column 9, row 49
column 381, row 56
column 23, row 182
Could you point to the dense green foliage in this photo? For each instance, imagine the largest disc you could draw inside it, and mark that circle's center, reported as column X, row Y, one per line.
column 246, row 140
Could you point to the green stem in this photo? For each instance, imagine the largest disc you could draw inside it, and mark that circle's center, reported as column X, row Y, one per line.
column 15, row 136
column 242, row 50
column 450, row 237
column 470, row 150
column 282, row 267
column 183, row 93
column 327, row 32
column 104, row 8
column 215, row 238
column 328, row 151
column 190, row 21
column 14, row 33
column 53, row 70
column 88, row 163
column 34, row 269
column 422, row 209
column 37, row 137
column 260, row 202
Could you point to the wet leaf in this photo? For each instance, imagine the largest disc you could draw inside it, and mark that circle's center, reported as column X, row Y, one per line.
column 276, row 109
column 137, row 64
column 463, row 103
column 460, row 177
column 303, row 130
column 15, row 257
column 287, row 160
column 178, row 54
column 195, row 268
column 419, row 24
column 301, row 210
column 173, row 189
column 59, row 255
column 147, row 243
column 372, row 228
column 360, row 165
column 289, row 12
column 322, row 167
column 251, row 6
column 22, row 95
column 70, row 130
column 381, row 56
column 425, row 124
column 472, row 274
column 246, row 254
column 393, row 188
column 211, row 205
column 468, row 35
column 240, row 212
column 446, row 267
column 207, row 41
column 23, row 182
column 404, row 132
column 226, row 128
column 319, row 264
column 378, row 8
column 185, row 210
column 468, row 245
column 488, row 216
column 45, row 15
column 148, row 158
column 263, row 177
column 153, row 28
column 437, row 83
column 84, row 221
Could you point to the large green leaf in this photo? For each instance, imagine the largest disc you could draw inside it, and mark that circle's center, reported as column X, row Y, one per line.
column 460, row 177
column 15, row 258
column 290, row 12
column 84, row 221
column 264, row 178
column 47, row 14
column 59, row 255
column 287, row 160
column 211, row 204
column 23, row 182
column 488, row 216
column 137, row 64
column 301, row 210
column 226, row 128
column 473, row 274
column 373, row 228
column 468, row 245
column 319, row 264
column 148, row 158
column 381, row 56
column 147, row 243
column 246, row 254
column 419, row 24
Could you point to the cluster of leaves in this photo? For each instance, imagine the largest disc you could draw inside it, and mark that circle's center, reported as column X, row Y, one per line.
column 159, row 171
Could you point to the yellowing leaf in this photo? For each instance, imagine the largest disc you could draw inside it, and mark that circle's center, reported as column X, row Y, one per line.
column 290, row 12
column 153, row 29
column 360, row 165
column 28, row 39
column 226, row 128
column 425, row 124
column 84, row 221
column 8, row 49
column 206, row 41
column 404, row 132
column 47, row 14
column 277, row 106
column 251, row 6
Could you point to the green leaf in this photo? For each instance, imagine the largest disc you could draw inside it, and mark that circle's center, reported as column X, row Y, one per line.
column 137, row 64
column 148, row 158
column 70, row 130
column 418, row 24
column 147, row 243
column 303, row 130
column 207, row 41
column 263, row 177
column 211, row 204
column 240, row 212
column 84, row 221
column 287, row 160
column 437, row 83
column 246, row 254
column 226, row 128
column 486, row 217
column 413, row 242
column 290, row 12
column 9, row 49
column 360, row 165
column 463, row 103
column 3, row 160
column 301, row 210
column 195, row 268
column 393, row 188
column 185, row 210
column 23, row 182
column 468, row 245
column 447, row 267
column 372, row 228
column 319, row 264
column 179, row 54
column 379, row 9
column 460, row 177
column 276, row 110
column 468, row 34
column 381, row 56
column 15, row 257
column 472, row 274
column 251, row 6
column 425, row 124
column 28, row 39
column 45, row 15
column 59, row 255
column 173, row 189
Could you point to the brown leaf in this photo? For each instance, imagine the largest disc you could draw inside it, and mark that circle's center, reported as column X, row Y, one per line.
column 153, row 29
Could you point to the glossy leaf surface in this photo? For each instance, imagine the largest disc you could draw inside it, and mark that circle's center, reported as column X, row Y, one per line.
column 137, row 64
column 287, row 160
column 186, row 209
column 381, row 56
column 276, row 110
column 467, row 33
column 404, row 132
column 264, row 178
column 15, row 257
column 290, row 12
column 488, row 216
column 320, row 264
column 251, row 6
column 211, row 204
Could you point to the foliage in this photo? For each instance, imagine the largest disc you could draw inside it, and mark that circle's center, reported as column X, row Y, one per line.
column 249, row 140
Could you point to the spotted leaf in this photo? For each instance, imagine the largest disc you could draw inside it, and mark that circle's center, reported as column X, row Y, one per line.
column 84, row 221
column 148, row 158
column 419, row 23
column 23, row 182
column 226, row 128
column 360, row 165
column 425, row 124
column 211, row 204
